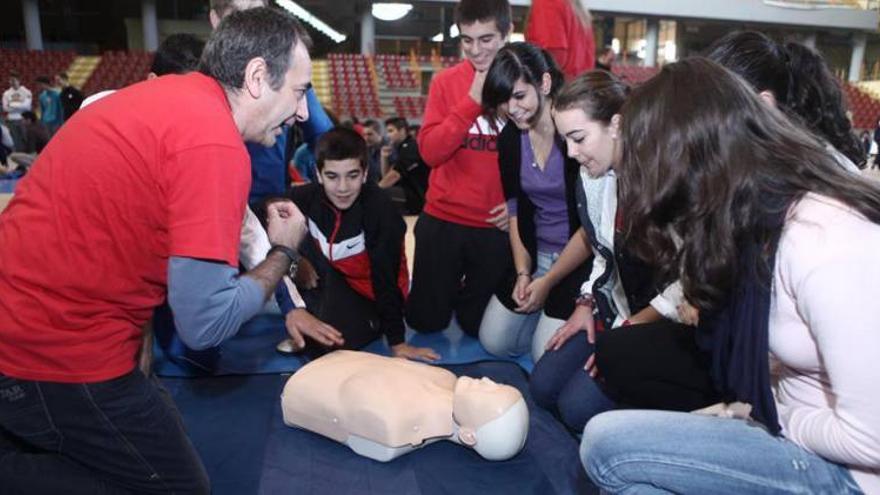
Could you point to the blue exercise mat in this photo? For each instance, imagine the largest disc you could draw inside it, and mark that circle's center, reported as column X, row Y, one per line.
column 236, row 425
column 252, row 350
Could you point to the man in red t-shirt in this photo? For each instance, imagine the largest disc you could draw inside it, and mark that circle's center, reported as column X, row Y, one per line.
column 462, row 251
column 138, row 196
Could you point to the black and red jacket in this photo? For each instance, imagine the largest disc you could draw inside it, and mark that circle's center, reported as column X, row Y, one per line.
column 364, row 244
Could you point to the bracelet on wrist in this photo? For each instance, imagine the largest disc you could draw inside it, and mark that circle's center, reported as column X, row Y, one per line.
column 523, row 274
column 585, row 300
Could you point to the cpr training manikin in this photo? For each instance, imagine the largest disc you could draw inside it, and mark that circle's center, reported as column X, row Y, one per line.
column 385, row 407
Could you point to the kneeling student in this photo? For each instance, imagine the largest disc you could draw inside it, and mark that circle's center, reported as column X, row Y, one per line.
column 356, row 249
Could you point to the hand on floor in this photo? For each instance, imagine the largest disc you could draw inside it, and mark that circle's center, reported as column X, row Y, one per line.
column 300, row 322
column 404, row 350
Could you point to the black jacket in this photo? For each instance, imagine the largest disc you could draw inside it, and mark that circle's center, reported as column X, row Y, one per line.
column 413, row 175
column 560, row 302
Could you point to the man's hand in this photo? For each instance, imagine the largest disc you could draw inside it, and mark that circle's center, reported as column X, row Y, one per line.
column 300, row 322
column 476, row 91
column 286, row 224
column 499, row 217
column 404, row 350
column 306, row 276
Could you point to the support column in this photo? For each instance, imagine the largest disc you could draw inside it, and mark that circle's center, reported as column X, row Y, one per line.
column 652, row 38
column 859, row 43
column 32, row 29
column 150, row 25
column 368, row 31
column 810, row 40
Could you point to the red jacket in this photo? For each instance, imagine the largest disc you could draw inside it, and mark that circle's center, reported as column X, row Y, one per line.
column 459, row 146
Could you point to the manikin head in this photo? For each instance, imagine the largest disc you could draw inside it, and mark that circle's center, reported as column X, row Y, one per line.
column 491, row 418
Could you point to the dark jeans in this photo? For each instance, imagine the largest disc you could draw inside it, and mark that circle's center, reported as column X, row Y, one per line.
column 560, row 384
column 456, row 270
column 119, row 436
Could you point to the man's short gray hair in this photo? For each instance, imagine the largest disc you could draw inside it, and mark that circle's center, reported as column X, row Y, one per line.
column 242, row 36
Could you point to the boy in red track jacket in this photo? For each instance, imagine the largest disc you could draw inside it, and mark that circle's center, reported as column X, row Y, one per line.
column 462, row 250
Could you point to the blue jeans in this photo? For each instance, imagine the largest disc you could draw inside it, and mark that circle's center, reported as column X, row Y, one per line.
column 658, row 452
column 560, row 384
column 507, row 333
column 119, row 436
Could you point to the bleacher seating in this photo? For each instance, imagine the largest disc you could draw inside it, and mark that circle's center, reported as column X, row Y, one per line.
column 354, row 86
column 31, row 64
column 118, row 69
column 865, row 109
column 395, row 71
column 410, row 107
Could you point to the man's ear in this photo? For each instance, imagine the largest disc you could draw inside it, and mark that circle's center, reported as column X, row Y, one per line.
column 256, row 73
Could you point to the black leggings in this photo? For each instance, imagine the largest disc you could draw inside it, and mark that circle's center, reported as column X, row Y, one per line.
column 456, row 270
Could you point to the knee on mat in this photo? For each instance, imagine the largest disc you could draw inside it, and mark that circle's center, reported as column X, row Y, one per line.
column 426, row 323
column 493, row 340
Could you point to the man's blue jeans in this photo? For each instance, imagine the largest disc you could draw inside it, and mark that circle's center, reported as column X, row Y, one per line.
column 657, row 452
column 119, row 436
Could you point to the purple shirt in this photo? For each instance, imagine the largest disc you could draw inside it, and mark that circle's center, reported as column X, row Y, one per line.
column 546, row 189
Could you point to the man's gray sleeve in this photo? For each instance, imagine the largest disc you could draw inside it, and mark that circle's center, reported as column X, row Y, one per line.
column 210, row 301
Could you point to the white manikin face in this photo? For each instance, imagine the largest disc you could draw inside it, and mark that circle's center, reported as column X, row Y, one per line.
column 493, row 419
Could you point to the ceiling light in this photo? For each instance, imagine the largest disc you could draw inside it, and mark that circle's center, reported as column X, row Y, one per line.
column 311, row 20
column 453, row 31
column 514, row 37
column 437, row 37
column 391, row 11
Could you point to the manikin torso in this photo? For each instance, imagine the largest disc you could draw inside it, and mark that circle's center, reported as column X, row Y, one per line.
column 385, row 407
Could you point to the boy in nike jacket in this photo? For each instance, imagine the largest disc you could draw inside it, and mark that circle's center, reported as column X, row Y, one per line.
column 355, row 245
